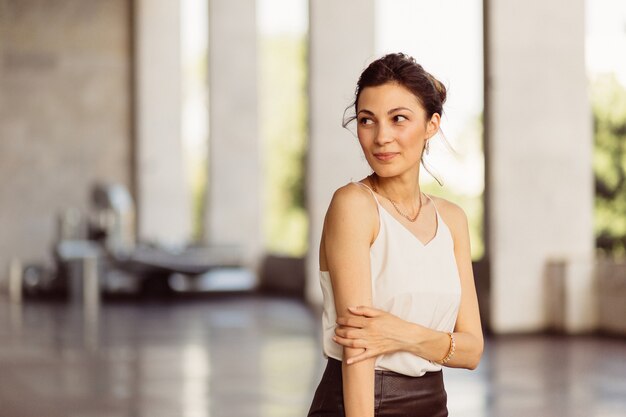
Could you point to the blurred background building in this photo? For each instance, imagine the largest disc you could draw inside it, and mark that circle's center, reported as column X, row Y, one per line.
column 162, row 151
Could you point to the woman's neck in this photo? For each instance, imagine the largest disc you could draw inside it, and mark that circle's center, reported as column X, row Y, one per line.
column 403, row 189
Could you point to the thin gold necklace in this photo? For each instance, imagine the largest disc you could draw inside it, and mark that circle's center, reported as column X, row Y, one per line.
column 393, row 203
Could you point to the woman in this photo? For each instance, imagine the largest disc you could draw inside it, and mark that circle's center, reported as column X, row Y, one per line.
column 395, row 265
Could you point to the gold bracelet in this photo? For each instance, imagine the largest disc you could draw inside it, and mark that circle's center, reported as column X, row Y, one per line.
column 450, row 354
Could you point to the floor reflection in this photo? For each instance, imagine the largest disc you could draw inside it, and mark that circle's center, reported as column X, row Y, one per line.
column 260, row 357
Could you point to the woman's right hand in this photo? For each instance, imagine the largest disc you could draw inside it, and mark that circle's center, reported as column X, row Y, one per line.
column 376, row 331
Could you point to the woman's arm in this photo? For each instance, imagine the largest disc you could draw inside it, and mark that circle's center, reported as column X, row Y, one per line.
column 378, row 332
column 467, row 331
column 348, row 231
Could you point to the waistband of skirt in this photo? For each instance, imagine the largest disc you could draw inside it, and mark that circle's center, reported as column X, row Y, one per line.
column 432, row 374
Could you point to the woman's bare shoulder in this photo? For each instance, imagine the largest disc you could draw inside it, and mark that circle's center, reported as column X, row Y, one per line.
column 352, row 212
column 354, row 203
column 452, row 214
column 352, row 197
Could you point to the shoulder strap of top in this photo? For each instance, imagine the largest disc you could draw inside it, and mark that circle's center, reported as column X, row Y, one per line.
column 432, row 201
column 370, row 190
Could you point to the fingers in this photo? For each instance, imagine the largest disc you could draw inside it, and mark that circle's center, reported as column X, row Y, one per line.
column 351, row 343
column 356, row 343
column 349, row 333
column 358, row 316
column 365, row 311
column 358, row 322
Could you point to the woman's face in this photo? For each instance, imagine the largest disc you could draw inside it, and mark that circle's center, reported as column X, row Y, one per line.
column 392, row 128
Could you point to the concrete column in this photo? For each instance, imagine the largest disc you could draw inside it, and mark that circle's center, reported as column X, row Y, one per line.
column 234, row 195
column 341, row 44
column 539, row 154
column 164, row 203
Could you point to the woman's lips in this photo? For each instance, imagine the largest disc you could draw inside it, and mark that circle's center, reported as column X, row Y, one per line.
column 385, row 156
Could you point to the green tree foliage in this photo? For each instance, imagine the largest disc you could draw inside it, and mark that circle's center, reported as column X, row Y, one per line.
column 608, row 98
column 283, row 110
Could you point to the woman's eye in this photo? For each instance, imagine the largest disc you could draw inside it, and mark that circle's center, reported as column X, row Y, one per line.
column 399, row 118
column 365, row 121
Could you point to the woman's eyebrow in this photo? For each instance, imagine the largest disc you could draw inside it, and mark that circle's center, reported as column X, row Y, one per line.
column 389, row 112
column 398, row 109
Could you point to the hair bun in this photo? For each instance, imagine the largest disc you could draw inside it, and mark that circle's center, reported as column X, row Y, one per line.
column 440, row 88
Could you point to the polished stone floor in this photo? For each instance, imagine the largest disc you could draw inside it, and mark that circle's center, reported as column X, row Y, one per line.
column 253, row 356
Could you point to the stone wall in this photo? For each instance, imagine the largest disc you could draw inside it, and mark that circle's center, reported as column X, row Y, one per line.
column 65, row 114
column 539, row 155
column 336, row 58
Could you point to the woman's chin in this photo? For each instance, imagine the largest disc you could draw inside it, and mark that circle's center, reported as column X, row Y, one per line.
column 385, row 171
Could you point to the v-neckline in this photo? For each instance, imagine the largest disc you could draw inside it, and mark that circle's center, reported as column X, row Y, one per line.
column 437, row 220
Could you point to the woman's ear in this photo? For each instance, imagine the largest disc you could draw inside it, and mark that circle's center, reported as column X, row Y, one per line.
column 433, row 125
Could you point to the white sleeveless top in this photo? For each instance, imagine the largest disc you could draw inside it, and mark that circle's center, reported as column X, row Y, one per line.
column 414, row 281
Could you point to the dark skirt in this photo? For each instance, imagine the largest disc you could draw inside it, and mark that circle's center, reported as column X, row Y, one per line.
column 395, row 395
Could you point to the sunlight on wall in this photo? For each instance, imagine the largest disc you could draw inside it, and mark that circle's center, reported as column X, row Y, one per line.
column 195, row 113
column 605, row 35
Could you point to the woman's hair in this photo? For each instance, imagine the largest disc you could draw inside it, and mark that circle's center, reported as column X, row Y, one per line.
column 404, row 70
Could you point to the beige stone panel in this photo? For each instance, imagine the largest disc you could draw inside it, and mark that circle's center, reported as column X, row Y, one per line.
column 540, row 148
column 64, row 114
column 234, row 192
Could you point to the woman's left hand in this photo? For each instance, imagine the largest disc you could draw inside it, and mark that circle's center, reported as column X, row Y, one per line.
column 377, row 331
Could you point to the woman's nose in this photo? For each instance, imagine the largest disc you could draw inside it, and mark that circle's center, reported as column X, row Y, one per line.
column 383, row 135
